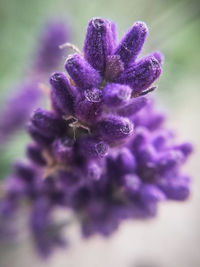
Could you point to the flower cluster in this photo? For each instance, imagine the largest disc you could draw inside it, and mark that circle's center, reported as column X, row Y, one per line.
column 102, row 148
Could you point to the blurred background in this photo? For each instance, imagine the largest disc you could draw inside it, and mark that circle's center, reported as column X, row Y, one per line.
column 173, row 238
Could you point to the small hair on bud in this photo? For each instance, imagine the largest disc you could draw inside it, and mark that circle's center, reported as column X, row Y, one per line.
column 148, row 91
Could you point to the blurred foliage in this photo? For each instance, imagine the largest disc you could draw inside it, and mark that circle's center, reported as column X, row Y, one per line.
column 173, row 26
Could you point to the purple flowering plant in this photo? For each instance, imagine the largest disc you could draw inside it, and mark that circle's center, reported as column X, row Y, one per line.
column 101, row 151
column 22, row 102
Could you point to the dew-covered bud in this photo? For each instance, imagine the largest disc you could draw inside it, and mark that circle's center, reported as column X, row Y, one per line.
column 63, row 149
column 87, row 109
column 62, row 94
column 141, row 74
column 113, row 128
column 132, row 42
column 133, row 106
column 116, row 95
column 98, row 43
column 125, row 161
column 82, row 73
column 34, row 153
column 92, row 148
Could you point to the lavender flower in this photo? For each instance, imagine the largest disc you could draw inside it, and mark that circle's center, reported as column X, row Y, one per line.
column 103, row 148
column 19, row 106
column 17, row 109
column 49, row 54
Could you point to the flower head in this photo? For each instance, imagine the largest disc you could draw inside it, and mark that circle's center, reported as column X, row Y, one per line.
column 102, row 148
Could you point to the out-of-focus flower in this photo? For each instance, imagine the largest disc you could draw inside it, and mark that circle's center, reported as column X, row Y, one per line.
column 18, row 106
column 103, row 148
column 49, row 54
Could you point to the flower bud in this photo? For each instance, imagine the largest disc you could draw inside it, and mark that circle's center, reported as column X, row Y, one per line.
column 116, row 95
column 159, row 56
column 94, row 171
column 141, row 137
column 147, row 155
column 93, row 148
column 47, row 123
column 131, row 183
column 176, row 188
column 86, row 110
column 38, row 137
column 170, row 160
column 62, row 94
column 185, row 148
column 113, row 128
column 125, row 161
column 141, row 74
column 132, row 43
column 63, row 149
column 98, row 43
column 34, row 153
column 150, row 193
column 24, row 171
column 81, row 72
column 133, row 106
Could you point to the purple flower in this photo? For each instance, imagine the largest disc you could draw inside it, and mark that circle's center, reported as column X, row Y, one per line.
column 18, row 107
column 99, row 43
column 131, row 45
column 48, row 54
column 103, row 150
